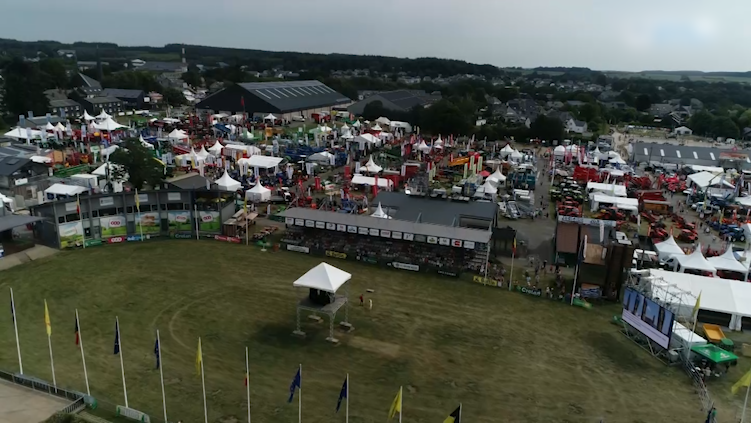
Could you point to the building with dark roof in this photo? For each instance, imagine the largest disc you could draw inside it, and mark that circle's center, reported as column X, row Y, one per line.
column 94, row 105
column 189, row 181
column 283, row 99
column 16, row 171
column 398, row 101
column 66, row 107
column 132, row 99
column 164, row 67
column 474, row 214
column 686, row 155
column 89, row 82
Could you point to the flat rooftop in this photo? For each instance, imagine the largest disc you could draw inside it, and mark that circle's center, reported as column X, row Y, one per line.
column 22, row 405
column 436, row 211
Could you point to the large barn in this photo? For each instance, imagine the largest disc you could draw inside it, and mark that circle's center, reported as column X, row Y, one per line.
column 686, row 155
column 284, row 100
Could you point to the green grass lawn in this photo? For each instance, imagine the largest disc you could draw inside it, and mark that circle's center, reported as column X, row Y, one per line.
column 506, row 356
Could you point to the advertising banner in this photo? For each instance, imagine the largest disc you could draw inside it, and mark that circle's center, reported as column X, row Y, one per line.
column 647, row 317
column 405, row 266
column 148, row 223
column 71, row 234
column 179, row 221
column 298, row 248
column 336, row 254
column 209, row 222
column 113, row 226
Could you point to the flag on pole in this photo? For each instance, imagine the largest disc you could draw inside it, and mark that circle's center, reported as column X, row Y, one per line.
column 138, row 202
column 156, row 353
column 396, row 406
column 78, row 204
column 12, row 307
column 117, row 338
column 199, row 358
column 743, row 382
column 47, row 322
column 455, row 416
column 78, row 333
column 296, row 384
column 696, row 306
column 513, row 250
column 342, row 395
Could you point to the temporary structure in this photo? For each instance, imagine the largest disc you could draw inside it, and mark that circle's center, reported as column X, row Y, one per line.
column 377, row 127
column 423, row 147
column 371, row 166
column 357, row 124
column 60, row 127
column 371, row 181
column 177, row 134
column 668, row 248
column 694, row 261
column 379, row 213
column 22, row 134
column 64, row 190
column 258, row 193
column 48, row 127
column 559, row 151
column 226, row 183
column 516, row 155
column 487, row 189
column 108, row 125
column 323, row 277
column 86, row 116
column 216, row 149
column 507, row 150
column 202, row 153
column 103, row 115
column 727, row 261
column 322, row 157
column 270, row 117
column 383, row 120
column 145, row 143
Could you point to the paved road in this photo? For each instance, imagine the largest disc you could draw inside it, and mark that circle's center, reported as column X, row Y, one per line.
column 22, row 405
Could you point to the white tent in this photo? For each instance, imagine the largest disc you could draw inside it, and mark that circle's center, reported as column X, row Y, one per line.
column 48, row 127
column 22, row 134
column 145, row 143
column 322, row 157
column 358, row 179
column 109, row 166
column 384, row 121
column 357, row 124
column 487, row 189
column 261, row 162
column 559, row 151
column 202, row 153
column 103, row 116
column 270, row 117
column 367, row 138
column 323, row 277
column 516, row 155
column 704, row 179
column 507, row 150
column 727, row 261
column 497, row 177
column 86, row 116
column 423, row 147
column 609, row 189
column 216, row 149
column 377, row 127
column 108, row 125
column 63, row 189
column 668, row 248
column 379, row 213
column 227, row 183
column 41, row 159
column 344, row 127
column 177, row 134
column 694, row 261
column 371, row 166
column 258, row 193
column 60, row 127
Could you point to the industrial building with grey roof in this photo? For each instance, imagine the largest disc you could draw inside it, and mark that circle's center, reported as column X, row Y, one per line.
column 686, row 155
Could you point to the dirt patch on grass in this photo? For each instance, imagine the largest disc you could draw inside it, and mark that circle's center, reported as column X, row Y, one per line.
column 385, row 349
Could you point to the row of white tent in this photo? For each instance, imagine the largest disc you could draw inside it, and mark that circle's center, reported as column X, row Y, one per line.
column 669, row 249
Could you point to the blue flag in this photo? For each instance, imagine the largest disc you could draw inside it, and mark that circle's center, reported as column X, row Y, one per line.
column 342, row 394
column 296, row 383
column 12, row 308
column 156, row 352
column 117, row 337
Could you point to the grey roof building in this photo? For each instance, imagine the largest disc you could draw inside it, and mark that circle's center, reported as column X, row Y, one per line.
column 164, row 67
column 97, row 104
column 273, row 97
column 400, row 100
column 130, row 98
column 685, row 155
column 66, row 107
column 89, row 81
column 473, row 214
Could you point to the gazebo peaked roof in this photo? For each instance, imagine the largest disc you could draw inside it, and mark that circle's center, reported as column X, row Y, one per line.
column 323, row 277
column 103, row 115
column 423, row 147
column 505, row 151
column 727, row 261
column 227, row 183
column 108, row 125
column 497, row 177
column 669, row 248
column 177, row 134
column 379, row 213
column 86, row 116
column 695, row 261
column 216, row 148
column 371, row 166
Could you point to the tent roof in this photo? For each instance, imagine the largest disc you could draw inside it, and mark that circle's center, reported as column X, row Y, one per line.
column 488, row 188
column 612, row 189
column 216, row 148
column 62, row 189
column 717, row 294
column 103, row 115
column 259, row 189
column 371, row 166
column 507, row 149
column 669, row 247
column 704, row 179
column 102, row 170
column 497, row 176
column 369, row 180
column 367, row 138
column 108, row 125
column 380, row 213
column 226, row 182
column 377, row 127
column 324, row 277
column 177, row 134
column 87, row 116
column 422, row 146
column 270, row 117
column 727, row 261
column 695, row 261
column 263, row 162
column 516, row 154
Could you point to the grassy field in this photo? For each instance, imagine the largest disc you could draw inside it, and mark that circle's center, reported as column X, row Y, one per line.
column 507, row 357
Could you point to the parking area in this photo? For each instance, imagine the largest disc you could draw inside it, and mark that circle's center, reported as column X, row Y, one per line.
column 22, row 405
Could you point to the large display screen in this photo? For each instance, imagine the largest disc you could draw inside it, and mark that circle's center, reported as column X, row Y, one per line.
column 648, row 317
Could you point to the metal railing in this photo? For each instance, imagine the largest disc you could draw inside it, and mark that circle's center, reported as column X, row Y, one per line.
column 43, row 386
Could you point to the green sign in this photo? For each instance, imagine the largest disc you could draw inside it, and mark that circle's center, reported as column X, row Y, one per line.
column 714, row 353
column 71, row 234
column 92, row 243
column 113, row 226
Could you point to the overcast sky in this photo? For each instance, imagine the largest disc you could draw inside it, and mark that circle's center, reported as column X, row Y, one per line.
column 600, row 34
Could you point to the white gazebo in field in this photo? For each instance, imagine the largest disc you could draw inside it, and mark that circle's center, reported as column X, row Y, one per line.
column 323, row 283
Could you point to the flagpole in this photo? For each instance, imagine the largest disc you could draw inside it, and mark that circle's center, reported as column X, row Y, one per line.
column 247, row 381
column 299, row 398
column 745, row 404
column 138, row 207
column 15, row 328
column 83, row 357
column 161, row 375
column 460, row 412
column 401, row 406
column 49, row 343
column 195, row 208
column 511, row 275
column 122, row 366
column 83, row 232
column 203, row 385
column 346, row 406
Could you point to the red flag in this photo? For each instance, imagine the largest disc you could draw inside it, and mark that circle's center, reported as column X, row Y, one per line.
column 78, row 336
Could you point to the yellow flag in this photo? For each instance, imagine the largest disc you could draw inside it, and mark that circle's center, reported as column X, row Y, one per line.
column 47, row 319
column 697, row 305
column 743, row 382
column 138, row 202
column 199, row 358
column 396, row 406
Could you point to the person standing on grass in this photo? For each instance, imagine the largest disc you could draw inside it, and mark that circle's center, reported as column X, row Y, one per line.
column 362, row 300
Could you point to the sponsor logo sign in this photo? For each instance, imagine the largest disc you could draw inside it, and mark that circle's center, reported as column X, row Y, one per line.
column 336, row 254
column 232, row 239
column 182, row 236
column 116, row 240
column 405, row 266
column 298, row 248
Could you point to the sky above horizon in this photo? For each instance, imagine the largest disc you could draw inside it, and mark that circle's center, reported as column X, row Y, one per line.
column 599, row 34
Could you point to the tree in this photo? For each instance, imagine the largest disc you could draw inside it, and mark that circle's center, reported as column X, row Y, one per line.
column 192, row 78
column 138, row 163
column 546, row 128
column 373, row 110
column 643, row 101
column 55, row 73
column 702, row 123
column 24, row 89
column 724, row 126
column 174, row 97
column 744, row 120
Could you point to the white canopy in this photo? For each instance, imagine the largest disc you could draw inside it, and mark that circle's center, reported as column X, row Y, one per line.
column 227, row 183
column 145, row 143
column 505, row 151
column 344, row 127
column 41, row 159
column 704, row 179
column 22, row 133
column 177, row 134
column 102, row 170
column 103, row 115
column 108, row 125
column 622, row 203
column 668, row 248
column 216, row 149
column 324, row 129
column 558, row 151
column 497, row 177
column 379, row 213
column 202, row 153
column 322, row 157
column 323, row 277
column 262, row 162
column 62, row 189
column 371, row 166
column 48, row 127
column 487, row 188
column 369, row 138
column 377, row 127
column 610, row 189
column 258, row 193
column 358, row 179
column 357, row 124
column 60, row 127
column 270, row 117
column 423, row 147
column 86, row 116
column 250, row 149
column 383, row 120
column 744, row 201
column 727, row 261
column 695, row 261
column 516, row 155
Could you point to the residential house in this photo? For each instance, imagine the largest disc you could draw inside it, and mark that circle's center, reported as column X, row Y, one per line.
column 608, row 95
column 131, row 99
column 18, row 172
column 94, row 105
column 682, row 131
column 562, row 116
column 660, row 110
column 615, row 105
column 521, row 111
column 576, row 126
column 65, row 107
